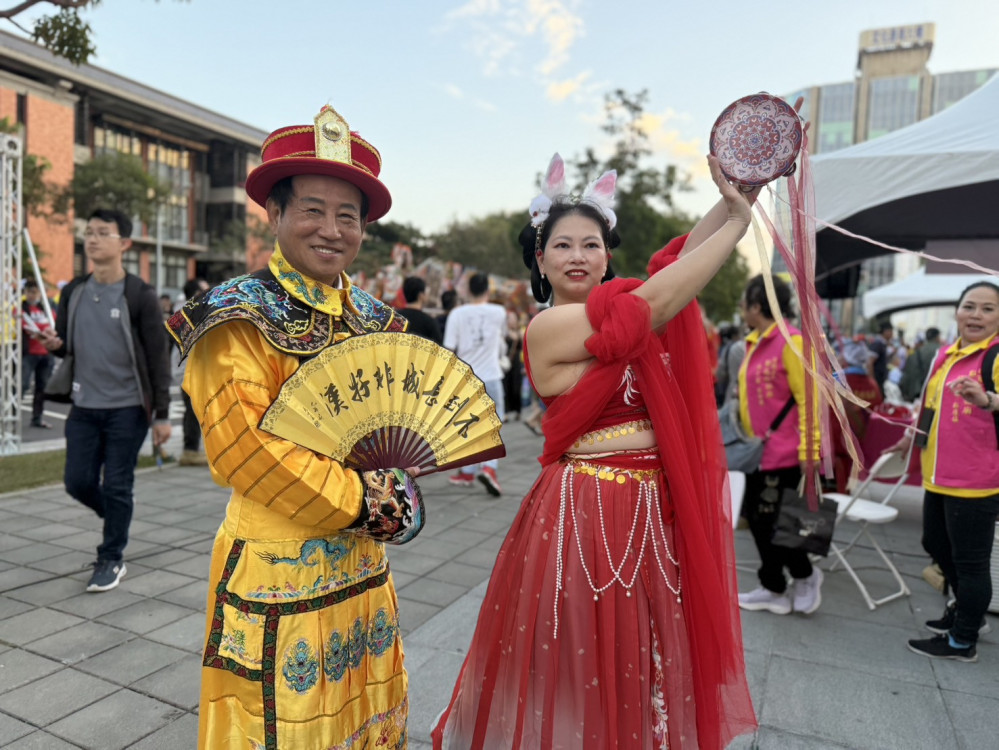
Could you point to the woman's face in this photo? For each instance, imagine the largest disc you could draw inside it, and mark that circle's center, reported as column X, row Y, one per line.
column 978, row 315
column 574, row 258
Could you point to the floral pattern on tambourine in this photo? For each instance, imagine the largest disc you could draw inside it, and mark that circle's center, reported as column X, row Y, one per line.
column 756, row 139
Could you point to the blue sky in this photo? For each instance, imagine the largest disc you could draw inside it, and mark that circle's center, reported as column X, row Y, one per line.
column 467, row 101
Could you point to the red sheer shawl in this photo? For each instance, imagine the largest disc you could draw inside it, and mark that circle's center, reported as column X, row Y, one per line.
column 675, row 380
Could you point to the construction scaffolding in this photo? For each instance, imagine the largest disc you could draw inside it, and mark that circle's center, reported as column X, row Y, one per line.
column 11, row 221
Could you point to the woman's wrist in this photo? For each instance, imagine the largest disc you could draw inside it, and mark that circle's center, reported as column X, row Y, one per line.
column 991, row 401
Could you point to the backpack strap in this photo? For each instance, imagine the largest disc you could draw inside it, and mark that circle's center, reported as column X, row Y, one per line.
column 780, row 416
column 988, row 365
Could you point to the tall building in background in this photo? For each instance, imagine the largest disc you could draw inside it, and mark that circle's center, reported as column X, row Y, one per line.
column 67, row 114
column 892, row 88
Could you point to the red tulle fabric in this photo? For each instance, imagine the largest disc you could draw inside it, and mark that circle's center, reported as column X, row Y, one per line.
column 589, row 688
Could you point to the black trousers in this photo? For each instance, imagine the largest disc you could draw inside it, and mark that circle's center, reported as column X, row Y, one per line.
column 761, row 506
column 192, row 430
column 958, row 532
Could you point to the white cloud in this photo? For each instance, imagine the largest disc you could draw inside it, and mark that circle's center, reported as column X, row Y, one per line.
column 499, row 33
column 558, row 91
column 453, row 90
column 560, row 27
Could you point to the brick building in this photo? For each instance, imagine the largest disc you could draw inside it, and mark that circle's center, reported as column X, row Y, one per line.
column 67, row 114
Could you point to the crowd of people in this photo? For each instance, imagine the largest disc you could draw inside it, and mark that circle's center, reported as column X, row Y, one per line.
column 612, row 617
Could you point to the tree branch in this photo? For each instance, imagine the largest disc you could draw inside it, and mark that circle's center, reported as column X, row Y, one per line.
column 71, row 4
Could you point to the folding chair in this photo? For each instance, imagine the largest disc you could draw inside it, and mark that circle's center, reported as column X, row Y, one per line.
column 737, row 487
column 856, row 509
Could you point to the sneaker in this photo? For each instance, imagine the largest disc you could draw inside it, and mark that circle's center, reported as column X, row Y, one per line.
column 193, row 458
column 945, row 623
column 107, row 575
column 761, row 598
column 488, row 478
column 462, row 480
column 808, row 592
column 938, row 647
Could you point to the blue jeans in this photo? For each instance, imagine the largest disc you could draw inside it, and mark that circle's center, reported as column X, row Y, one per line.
column 108, row 440
column 958, row 533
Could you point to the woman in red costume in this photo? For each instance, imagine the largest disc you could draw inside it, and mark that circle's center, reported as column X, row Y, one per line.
column 610, row 618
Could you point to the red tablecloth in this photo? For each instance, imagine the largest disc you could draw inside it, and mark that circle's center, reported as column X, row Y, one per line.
column 886, row 427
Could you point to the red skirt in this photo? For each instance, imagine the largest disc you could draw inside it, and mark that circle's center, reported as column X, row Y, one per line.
column 581, row 641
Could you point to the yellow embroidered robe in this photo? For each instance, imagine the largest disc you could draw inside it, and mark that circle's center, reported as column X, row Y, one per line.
column 302, row 648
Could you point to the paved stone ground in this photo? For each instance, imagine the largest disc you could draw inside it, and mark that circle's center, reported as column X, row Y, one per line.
column 121, row 669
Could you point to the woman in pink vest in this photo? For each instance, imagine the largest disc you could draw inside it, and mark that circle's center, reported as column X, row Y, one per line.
column 960, row 463
column 771, row 377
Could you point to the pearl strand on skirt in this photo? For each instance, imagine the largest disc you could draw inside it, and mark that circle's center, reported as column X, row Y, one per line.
column 647, row 497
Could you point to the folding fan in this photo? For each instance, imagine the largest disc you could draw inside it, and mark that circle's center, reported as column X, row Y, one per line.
column 388, row 400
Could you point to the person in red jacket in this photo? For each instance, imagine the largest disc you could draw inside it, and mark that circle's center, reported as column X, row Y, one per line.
column 36, row 362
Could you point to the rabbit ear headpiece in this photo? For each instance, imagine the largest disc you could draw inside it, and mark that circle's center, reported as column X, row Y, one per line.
column 599, row 194
column 552, row 188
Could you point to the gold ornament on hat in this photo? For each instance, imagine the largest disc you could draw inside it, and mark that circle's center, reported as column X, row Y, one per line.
column 332, row 136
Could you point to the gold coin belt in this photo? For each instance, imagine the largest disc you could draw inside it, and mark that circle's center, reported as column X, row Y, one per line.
column 611, row 474
column 628, row 428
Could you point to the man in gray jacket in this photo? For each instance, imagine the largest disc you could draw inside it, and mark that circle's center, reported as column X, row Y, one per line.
column 111, row 324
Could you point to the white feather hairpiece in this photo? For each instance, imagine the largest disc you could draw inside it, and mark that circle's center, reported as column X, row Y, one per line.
column 599, row 193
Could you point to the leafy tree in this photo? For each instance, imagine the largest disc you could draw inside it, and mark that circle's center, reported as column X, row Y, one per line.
column 113, row 179
column 63, row 33
column 720, row 297
column 488, row 244
column 381, row 237
column 644, row 199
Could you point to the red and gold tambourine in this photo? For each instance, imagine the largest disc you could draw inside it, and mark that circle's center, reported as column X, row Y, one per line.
column 756, row 139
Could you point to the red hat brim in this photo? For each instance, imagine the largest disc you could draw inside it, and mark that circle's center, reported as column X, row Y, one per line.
column 263, row 178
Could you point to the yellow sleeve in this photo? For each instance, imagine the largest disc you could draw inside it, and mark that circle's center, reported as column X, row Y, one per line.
column 232, row 377
column 796, row 381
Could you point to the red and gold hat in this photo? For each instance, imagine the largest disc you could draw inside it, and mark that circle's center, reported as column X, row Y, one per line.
column 326, row 148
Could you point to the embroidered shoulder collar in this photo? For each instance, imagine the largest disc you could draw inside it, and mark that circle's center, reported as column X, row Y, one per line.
column 284, row 320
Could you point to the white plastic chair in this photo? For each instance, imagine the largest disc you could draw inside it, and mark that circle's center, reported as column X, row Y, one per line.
column 854, row 508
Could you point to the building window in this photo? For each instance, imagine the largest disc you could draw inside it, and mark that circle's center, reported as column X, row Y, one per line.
column 949, row 88
column 130, row 260
column 893, row 103
column 836, row 113
column 107, row 139
column 174, row 269
column 172, row 165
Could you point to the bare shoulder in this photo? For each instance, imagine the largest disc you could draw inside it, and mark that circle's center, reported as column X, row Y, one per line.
column 556, row 341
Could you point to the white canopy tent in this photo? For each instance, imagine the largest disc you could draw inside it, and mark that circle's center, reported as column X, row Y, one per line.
column 921, row 289
column 937, row 179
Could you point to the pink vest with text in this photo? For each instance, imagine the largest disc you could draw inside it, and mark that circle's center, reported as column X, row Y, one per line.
column 767, row 390
column 966, row 456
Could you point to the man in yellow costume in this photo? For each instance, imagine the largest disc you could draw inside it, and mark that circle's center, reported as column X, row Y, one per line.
column 302, row 647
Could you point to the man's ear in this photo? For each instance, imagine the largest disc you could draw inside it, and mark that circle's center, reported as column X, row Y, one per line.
column 126, row 244
column 273, row 213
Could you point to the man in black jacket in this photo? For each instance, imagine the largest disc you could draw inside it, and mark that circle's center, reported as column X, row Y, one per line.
column 110, row 324
column 414, row 289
